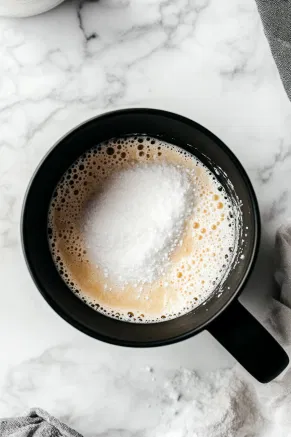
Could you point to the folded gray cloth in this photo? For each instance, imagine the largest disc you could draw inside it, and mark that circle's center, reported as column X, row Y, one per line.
column 276, row 18
column 38, row 423
column 279, row 319
column 283, row 263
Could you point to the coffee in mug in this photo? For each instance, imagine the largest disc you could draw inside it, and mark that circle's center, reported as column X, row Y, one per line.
column 141, row 230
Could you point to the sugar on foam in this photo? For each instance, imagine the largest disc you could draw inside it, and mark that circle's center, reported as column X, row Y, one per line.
column 134, row 224
column 149, row 222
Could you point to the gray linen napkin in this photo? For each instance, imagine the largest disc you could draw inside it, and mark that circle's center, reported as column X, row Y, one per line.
column 283, row 262
column 279, row 319
column 38, row 423
column 276, row 18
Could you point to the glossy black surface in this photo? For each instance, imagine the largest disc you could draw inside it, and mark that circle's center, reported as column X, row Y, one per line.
column 249, row 342
column 173, row 129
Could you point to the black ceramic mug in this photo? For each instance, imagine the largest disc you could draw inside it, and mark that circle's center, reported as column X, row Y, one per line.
column 224, row 317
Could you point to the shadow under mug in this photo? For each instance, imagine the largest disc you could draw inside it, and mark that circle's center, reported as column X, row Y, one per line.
column 222, row 314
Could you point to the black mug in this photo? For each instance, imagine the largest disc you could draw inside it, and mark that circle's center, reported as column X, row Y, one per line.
column 222, row 314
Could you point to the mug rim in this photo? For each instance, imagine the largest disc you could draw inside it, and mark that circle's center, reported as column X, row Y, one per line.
column 151, row 343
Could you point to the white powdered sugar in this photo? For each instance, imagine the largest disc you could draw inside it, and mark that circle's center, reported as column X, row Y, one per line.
column 134, row 224
column 220, row 404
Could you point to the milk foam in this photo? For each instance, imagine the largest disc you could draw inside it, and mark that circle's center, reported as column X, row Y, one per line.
column 203, row 253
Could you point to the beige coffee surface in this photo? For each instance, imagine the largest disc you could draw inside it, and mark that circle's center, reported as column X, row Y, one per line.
column 199, row 262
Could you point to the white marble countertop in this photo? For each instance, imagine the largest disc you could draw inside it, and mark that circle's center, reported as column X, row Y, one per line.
column 205, row 59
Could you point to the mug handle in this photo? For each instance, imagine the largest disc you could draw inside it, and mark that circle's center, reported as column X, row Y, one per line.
column 249, row 342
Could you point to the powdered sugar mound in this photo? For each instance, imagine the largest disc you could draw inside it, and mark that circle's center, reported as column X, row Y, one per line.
column 134, row 223
column 219, row 405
